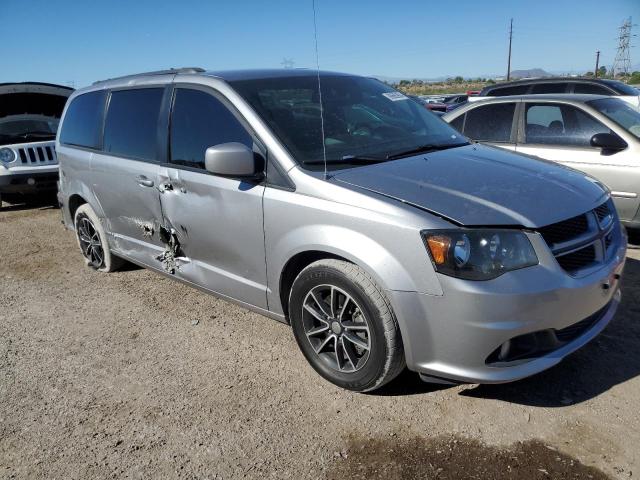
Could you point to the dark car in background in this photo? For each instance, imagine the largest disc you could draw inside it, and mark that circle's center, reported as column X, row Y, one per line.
column 29, row 116
column 454, row 101
column 589, row 86
column 429, row 103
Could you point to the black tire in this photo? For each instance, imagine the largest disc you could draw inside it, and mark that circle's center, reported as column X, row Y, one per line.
column 86, row 221
column 348, row 366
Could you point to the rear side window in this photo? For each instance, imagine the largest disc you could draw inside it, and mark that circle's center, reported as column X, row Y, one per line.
column 505, row 91
column 83, row 121
column 591, row 89
column 550, row 88
column 131, row 126
column 490, row 123
column 199, row 121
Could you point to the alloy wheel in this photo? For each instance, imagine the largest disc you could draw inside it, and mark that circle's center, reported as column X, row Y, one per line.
column 336, row 328
column 90, row 242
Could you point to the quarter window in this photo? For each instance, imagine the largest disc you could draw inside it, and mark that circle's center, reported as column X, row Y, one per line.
column 490, row 123
column 591, row 89
column 131, row 128
column 83, row 121
column 563, row 125
column 199, row 121
column 549, row 88
column 505, row 91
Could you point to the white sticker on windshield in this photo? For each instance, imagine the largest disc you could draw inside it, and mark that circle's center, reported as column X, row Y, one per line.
column 395, row 96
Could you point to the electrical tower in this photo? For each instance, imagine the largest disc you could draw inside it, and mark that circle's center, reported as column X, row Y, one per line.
column 287, row 63
column 622, row 63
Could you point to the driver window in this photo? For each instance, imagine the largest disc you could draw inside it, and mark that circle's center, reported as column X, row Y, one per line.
column 199, row 121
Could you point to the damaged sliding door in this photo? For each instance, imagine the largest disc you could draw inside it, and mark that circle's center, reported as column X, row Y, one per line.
column 125, row 173
column 213, row 225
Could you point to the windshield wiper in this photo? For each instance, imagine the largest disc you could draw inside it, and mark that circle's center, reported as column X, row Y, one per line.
column 424, row 149
column 28, row 134
column 361, row 159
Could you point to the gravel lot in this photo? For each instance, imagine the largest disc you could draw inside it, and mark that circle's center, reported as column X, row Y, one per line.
column 132, row 375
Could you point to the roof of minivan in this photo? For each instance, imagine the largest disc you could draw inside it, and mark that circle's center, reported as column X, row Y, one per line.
column 236, row 75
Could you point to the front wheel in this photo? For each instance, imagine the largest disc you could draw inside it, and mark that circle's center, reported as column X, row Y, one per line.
column 345, row 326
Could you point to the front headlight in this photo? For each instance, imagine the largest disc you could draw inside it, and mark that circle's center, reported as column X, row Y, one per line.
column 7, row 155
column 479, row 254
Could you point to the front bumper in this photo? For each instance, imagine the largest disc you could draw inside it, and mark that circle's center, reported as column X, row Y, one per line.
column 28, row 179
column 453, row 336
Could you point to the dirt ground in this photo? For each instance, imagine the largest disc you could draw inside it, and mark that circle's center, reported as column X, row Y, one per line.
column 131, row 375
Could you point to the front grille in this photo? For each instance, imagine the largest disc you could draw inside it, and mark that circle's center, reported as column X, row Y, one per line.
column 578, row 260
column 564, row 231
column 584, row 241
column 39, row 155
column 603, row 211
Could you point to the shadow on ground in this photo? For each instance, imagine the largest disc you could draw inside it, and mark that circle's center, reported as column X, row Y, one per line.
column 453, row 458
column 16, row 203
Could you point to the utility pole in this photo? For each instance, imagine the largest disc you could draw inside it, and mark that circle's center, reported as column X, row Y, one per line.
column 509, row 61
column 597, row 63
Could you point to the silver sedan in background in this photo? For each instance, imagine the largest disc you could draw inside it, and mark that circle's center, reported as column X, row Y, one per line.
column 596, row 134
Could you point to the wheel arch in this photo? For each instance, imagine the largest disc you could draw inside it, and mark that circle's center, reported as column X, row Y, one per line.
column 292, row 269
column 74, row 202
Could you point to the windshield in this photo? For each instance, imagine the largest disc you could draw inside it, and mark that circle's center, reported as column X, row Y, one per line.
column 21, row 131
column 620, row 112
column 364, row 119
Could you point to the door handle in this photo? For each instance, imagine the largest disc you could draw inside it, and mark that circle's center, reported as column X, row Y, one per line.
column 144, row 181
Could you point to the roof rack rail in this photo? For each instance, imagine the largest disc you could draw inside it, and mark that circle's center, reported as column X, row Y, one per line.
column 157, row 72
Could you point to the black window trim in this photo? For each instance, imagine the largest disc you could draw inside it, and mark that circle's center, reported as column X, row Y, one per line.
column 522, row 139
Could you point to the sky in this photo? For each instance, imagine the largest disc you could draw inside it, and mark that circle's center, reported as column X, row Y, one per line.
column 77, row 42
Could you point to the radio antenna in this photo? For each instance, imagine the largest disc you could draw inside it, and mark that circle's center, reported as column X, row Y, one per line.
column 315, row 35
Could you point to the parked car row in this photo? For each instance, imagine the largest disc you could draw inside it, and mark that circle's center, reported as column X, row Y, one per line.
column 376, row 230
column 541, row 86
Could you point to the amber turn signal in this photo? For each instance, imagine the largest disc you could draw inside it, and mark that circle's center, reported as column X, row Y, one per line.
column 439, row 248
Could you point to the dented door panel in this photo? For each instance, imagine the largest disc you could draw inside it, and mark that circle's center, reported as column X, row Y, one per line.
column 133, row 230
column 214, row 234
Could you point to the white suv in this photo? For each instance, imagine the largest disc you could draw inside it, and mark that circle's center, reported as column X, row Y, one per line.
column 29, row 116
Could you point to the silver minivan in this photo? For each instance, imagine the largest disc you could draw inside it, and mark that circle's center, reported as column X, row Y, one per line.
column 335, row 204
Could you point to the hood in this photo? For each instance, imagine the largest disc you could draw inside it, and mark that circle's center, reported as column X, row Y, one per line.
column 478, row 185
column 33, row 98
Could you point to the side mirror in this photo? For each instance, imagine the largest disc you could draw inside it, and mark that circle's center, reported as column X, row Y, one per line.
column 231, row 159
column 608, row 142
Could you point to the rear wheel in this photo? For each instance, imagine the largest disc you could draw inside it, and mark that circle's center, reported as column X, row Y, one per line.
column 92, row 241
column 344, row 326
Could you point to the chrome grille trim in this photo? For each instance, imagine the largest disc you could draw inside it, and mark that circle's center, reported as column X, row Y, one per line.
column 38, row 154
